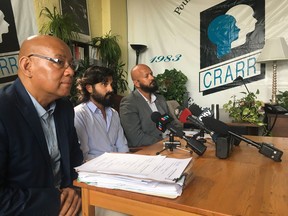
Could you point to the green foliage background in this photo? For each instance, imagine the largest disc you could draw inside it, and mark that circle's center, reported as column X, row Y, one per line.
column 172, row 85
column 246, row 109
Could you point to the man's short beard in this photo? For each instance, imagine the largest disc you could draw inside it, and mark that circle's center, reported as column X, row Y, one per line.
column 104, row 100
column 149, row 89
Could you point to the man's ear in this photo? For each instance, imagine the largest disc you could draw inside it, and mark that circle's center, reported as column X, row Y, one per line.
column 136, row 83
column 89, row 88
column 25, row 66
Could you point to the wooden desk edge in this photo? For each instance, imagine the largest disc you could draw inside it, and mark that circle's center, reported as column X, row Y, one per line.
column 92, row 197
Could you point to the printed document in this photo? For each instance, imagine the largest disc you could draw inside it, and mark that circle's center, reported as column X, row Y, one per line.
column 153, row 175
column 159, row 168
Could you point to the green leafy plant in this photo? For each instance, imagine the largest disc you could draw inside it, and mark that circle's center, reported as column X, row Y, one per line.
column 108, row 48
column 119, row 78
column 59, row 25
column 246, row 109
column 109, row 52
column 282, row 99
column 172, row 85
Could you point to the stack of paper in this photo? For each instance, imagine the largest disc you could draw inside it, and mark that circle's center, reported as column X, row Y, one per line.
column 153, row 175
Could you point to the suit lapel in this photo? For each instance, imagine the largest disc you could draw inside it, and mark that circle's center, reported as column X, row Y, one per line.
column 29, row 113
column 159, row 106
column 143, row 103
column 61, row 130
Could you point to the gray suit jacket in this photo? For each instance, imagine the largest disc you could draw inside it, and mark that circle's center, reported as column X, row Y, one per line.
column 135, row 116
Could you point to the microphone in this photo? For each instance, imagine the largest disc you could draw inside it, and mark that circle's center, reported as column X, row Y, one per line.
column 205, row 113
column 163, row 122
column 240, row 79
column 200, row 113
column 184, row 115
column 266, row 149
column 222, row 141
column 195, row 109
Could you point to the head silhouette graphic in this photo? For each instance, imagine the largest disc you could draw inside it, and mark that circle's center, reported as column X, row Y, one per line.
column 3, row 25
column 244, row 21
column 222, row 31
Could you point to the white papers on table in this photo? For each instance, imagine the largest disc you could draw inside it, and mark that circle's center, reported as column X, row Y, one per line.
column 150, row 187
column 153, row 175
column 158, row 167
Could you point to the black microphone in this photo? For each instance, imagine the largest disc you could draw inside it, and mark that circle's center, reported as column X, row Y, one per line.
column 266, row 149
column 163, row 122
column 184, row 115
column 195, row 109
column 222, row 141
column 240, row 79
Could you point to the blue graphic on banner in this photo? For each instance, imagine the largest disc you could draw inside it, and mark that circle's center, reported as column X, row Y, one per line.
column 222, row 31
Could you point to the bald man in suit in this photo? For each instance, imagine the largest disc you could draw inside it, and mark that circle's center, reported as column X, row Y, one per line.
column 38, row 142
column 137, row 107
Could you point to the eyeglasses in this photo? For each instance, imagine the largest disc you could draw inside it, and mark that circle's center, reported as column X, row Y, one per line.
column 58, row 62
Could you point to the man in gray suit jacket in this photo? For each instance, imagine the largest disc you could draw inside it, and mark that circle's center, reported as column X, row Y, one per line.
column 137, row 107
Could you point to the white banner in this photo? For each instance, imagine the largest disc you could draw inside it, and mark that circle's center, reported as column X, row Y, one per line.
column 17, row 22
column 211, row 42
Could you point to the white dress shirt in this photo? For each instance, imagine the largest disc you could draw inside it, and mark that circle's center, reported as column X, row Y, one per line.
column 97, row 135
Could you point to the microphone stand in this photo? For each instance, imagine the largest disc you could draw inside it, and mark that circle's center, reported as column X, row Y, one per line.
column 171, row 145
column 265, row 149
column 201, row 135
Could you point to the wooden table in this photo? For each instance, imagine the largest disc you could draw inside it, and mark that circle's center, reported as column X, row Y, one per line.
column 247, row 183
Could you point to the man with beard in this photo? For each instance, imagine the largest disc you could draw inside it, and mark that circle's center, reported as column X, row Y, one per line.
column 137, row 107
column 97, row 124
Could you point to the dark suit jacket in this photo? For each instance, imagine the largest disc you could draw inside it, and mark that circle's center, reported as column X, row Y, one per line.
column 135, row 116
column 26, row 177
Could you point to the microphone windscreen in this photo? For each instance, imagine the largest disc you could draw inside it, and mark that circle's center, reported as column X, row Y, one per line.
column 215, row 125
column 155, row 116
column 195, row 109
column 184, row 115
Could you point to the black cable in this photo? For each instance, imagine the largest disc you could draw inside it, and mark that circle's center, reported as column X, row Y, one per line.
column 271, row 128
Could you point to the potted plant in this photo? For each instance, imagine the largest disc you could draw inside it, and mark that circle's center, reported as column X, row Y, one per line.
column 109, row 53
column 59, row 25
column 246, row 109
column 282, row 99
column 172, row 85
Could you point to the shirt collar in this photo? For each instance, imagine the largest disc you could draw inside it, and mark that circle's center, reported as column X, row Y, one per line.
column 95, row 109
column 153, row 97
column 40, row 110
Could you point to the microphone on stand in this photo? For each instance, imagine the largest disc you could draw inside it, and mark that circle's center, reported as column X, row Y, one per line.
column 163, row 122
column 222, row 141
column 195, row 109
column 184, row 115
column 266, row 149
column 240, row 79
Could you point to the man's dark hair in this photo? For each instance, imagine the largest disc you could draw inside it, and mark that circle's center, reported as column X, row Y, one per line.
column 92, row 76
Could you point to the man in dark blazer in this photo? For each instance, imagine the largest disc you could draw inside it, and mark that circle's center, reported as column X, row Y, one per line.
column 137, row 107
column 35, row 178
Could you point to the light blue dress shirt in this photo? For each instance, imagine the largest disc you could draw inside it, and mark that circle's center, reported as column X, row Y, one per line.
column 49, row 129
column 96, row 135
